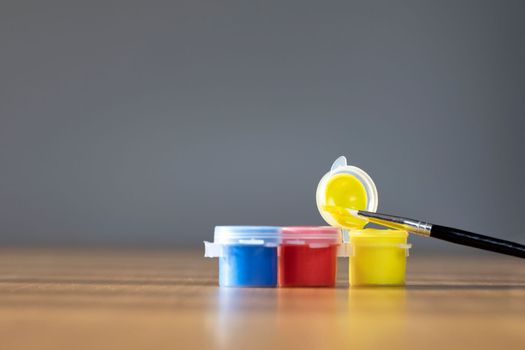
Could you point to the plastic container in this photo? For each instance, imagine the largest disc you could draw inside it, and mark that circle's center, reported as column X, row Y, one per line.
column 247, row 255
column 377, row 257
column 308, row 256
column 345, row 187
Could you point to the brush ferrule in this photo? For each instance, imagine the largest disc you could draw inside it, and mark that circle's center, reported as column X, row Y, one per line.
column 418, row 227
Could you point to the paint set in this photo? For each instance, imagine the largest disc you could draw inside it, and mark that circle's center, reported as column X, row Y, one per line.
column 306, row 256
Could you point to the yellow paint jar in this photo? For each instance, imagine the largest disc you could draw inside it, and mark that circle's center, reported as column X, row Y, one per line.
column 377, row 257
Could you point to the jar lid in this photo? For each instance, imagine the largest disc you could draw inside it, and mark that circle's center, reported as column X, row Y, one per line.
column 345, row 187
column 377, row 238
column 323, row 235
column 265, row 235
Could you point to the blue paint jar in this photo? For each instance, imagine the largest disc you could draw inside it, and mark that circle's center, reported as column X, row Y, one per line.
column 247, row 255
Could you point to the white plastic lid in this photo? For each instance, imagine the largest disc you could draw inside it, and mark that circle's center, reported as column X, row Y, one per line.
column 340, row 166
column 312, row 235
column 266, row 235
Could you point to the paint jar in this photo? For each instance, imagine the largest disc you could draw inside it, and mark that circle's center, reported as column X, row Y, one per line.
column 247, row 255
column 308, row 256
column 377, row 257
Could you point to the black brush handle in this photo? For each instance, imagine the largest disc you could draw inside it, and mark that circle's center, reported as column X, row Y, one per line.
column 477, row 241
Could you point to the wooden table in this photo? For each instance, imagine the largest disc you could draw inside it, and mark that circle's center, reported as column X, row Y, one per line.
column 94, row 299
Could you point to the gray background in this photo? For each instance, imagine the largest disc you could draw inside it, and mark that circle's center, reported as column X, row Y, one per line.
column 147, row 123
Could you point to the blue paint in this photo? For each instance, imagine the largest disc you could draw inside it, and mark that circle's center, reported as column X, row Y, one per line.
column 247, row 265
column 247, row 255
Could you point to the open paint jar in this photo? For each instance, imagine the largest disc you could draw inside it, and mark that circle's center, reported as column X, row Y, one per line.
column 247, row 255
column 308, row 256
column 377, row 257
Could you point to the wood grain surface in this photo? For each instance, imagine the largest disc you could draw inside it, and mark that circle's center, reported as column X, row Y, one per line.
column 102, row 299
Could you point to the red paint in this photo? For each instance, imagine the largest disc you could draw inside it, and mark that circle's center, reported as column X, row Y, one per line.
column 302, row 266
column 308, row 256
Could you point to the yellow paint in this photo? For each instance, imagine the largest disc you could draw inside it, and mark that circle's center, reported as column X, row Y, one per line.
column 377, row 257
column 345, row 191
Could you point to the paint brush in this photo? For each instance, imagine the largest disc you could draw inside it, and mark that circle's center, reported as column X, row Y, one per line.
column 445, row 233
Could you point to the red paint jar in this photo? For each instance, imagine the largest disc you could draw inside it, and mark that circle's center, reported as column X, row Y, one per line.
column 308, row 256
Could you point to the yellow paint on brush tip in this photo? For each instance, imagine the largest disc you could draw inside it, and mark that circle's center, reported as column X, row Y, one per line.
column 345, row 191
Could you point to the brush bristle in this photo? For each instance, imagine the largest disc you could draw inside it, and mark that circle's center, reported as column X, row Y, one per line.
column 353, row 212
